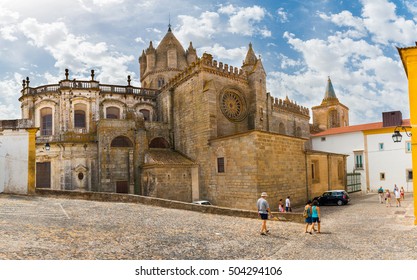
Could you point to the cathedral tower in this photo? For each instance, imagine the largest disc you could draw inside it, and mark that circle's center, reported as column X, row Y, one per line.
column 257, row 83
column 330, row 113
column 158, row 66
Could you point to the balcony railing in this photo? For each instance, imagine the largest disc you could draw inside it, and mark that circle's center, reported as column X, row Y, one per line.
column 116, row 89
column 67, row 137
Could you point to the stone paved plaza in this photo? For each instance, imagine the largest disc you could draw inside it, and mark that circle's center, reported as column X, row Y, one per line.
column 50, row 228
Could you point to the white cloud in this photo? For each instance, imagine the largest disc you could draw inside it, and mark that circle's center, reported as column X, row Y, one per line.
column 88, row 5
column 384, row 25
column 200, row 28
column 75, row 52
column 243, row 20
column 229, row 9
column 139, row 40
column 287, row 62
column 412, row 7
column 233, row 56
column 9, row 104
column 346, row 19
column 7, row 24
column 282, row 15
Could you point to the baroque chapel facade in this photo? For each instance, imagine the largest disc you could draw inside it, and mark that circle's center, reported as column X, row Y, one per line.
column 196, row 129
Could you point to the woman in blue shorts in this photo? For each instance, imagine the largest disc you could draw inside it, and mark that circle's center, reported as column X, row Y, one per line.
column 315, row 215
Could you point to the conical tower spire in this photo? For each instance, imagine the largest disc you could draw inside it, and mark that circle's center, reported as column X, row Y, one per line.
column 250, row 58
column 329, row 94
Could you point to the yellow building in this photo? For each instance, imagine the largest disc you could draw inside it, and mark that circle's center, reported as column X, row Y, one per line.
column 409, row 60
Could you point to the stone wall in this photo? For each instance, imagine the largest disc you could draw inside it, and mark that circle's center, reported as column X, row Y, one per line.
column 330, row 172
column 159, row 202
column 168, row 182
column 256, row 162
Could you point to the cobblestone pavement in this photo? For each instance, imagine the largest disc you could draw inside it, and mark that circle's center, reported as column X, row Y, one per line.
column 49, row 228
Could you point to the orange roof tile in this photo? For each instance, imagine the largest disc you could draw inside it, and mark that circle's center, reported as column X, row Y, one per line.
column 355, row 128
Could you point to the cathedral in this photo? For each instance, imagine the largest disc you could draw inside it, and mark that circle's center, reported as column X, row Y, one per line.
column 196, row 129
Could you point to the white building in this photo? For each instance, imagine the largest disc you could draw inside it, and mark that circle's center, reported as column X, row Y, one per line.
column 17, row 156
column 372, row 152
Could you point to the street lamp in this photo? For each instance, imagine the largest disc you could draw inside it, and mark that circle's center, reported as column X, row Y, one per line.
column 397, row 137
column 47, row 147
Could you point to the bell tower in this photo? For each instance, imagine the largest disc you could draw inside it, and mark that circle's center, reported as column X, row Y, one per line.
column 330, row 113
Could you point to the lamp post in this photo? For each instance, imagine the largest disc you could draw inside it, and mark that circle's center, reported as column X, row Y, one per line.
column 397, row 137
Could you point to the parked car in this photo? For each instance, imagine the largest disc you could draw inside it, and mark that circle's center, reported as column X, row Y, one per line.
column 338, row 197
column 202, row 202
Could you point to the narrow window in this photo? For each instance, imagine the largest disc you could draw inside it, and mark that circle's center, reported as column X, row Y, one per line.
column 146, row 114
column 323, row 139
column 112, row 113
column 359, row 160
column 46, row 121
column 79, row 119
column 220, row 165
column 315, row 171
column 408, row 146
column 409, row 175
column 382, row 176
column 79, row 116
column 381, row 146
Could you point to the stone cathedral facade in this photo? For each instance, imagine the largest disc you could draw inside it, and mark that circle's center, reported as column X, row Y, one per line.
column 195, row 129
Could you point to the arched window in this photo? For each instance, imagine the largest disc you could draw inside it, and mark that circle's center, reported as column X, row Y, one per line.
column 112, row 113
column 121, row 142
column 46, row 121
column 333, row 119
column 79, row 115
column 146, row 114
column 159, row 142
column 281, row 128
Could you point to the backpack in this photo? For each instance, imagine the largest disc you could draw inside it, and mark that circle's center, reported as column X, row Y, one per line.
column 305, row 213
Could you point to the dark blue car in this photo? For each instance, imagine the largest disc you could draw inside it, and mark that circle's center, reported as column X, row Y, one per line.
column 335, row 197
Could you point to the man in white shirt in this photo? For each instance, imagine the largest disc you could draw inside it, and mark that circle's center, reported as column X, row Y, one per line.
column 288, row 205
column 263, row 212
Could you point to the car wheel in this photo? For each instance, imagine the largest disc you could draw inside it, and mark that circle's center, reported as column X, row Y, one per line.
column 339, row 202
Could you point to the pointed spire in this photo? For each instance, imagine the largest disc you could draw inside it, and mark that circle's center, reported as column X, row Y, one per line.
column 250, row 56
column 330, row 94
column 150, row 48
column 169, row 23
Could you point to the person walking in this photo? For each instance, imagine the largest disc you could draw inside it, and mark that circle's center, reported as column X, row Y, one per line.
column 280, row 206
column 397, row 197
column 263, row 212
column 315, row 215
column 381, row 194
column 288, row 204
column 387, row 198
column 402, row 193
column 307, row 216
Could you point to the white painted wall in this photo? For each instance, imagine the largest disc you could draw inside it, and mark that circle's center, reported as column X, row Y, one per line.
column 344, row 143
column 14, row 161
column 393, row 161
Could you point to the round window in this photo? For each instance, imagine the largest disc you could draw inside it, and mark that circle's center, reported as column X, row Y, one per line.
column 80, row 176
column 233, row 106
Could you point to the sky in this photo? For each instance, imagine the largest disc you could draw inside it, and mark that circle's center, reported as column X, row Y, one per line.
column 301, row 44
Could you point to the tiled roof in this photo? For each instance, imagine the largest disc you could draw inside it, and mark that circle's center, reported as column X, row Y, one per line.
column 355, row 128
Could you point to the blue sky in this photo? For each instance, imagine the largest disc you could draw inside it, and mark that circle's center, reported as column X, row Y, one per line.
column 301, row 43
